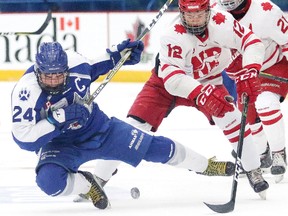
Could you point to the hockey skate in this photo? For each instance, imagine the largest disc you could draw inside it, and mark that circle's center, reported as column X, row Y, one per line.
column 85, row 197
column 257, row 182
column 219, row 168
column 266, row 160
column 96, row 192
column 279, row 165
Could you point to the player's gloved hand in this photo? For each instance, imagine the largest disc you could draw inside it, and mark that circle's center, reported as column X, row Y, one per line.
column 71, row 117
column 247, row 82
column 117, row 52
column 216, row 101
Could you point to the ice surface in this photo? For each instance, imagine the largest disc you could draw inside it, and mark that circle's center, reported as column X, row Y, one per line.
column 165, row 190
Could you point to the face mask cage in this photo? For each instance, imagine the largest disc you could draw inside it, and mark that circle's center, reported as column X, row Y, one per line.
column 195, row 29
column 230, row 5
column 52, row 83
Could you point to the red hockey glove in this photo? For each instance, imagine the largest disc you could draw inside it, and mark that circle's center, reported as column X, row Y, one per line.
column 247, row 82
column 216, row 101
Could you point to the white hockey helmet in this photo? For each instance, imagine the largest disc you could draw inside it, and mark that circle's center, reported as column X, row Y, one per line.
column 230, row 5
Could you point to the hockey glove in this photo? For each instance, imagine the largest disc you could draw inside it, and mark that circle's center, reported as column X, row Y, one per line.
column 71, row 117
column 117, row 52
column 247, row 82
column 215, row 101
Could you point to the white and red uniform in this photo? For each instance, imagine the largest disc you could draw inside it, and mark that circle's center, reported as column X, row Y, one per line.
column 268, row 22
column 187, row 62
column 203, row 59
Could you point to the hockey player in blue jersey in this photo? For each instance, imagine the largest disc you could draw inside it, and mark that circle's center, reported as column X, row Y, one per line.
column 51, row 118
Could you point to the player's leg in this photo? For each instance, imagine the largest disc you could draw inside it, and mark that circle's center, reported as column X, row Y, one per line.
column 269, row 110
column 166, row 151
column 153, row 96
column 152, row 104
column 259, row 137
column 274, row 127
column 230, row 125
column 58, row 175
column 103, row 171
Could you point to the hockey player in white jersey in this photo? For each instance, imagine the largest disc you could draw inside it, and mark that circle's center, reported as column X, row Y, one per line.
column 192, row 56
column 50, row 117
column 268, row 22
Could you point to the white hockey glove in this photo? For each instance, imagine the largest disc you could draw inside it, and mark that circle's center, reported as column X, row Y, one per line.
column 71, row 117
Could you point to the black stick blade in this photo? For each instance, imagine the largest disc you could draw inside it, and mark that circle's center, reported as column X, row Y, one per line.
column 42, row 27
column 37, row 32
column 222, row 208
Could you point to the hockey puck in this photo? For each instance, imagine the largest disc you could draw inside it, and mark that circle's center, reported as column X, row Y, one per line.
column 135, row 193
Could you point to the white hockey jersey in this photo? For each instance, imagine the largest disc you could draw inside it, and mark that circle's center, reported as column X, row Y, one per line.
column 186, row 60
column 268, row 22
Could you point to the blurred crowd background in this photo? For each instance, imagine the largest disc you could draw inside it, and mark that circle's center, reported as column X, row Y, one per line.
column 93, row 5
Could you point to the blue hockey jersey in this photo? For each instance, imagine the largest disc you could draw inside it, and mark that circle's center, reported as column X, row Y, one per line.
column 31, row 130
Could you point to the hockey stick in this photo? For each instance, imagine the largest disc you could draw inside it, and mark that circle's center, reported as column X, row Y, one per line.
column 269, row 76
column 39, row 31
column 120, row 63
column 229, row 206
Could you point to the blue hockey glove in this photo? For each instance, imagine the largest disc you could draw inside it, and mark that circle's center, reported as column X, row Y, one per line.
column 71, row 117
column 136, row 47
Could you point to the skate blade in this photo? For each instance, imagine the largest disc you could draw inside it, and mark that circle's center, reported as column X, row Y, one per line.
column 262, row 195
column 265, row 170
column 278, row 178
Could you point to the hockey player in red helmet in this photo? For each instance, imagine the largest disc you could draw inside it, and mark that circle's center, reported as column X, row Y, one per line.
column 194, row 15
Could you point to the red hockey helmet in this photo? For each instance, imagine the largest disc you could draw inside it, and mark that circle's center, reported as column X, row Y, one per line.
column 194, row 15
column 193, row 5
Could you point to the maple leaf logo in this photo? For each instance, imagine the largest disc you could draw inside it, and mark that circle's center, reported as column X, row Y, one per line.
column 267, row 6
column 180, row 29
column 219, row 18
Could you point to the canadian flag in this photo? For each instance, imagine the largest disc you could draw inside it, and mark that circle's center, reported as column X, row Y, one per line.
column 66, row 23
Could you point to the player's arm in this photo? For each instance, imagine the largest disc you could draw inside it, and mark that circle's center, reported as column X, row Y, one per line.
column 103, row 64
column 28, row 130
column 277, row 23
column 173, row 66
column 245, row 68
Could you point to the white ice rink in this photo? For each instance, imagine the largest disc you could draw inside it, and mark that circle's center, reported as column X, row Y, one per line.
column 165, row 191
